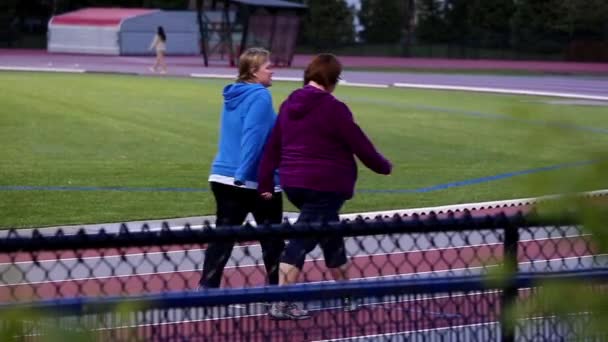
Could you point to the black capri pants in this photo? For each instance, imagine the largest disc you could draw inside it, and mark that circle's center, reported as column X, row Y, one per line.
column 315, row 206
column 233, row 205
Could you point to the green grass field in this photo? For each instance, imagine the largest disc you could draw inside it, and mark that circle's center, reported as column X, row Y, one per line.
column 148, row 134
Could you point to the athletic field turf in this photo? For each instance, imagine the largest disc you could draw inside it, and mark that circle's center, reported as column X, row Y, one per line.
column 104, row 148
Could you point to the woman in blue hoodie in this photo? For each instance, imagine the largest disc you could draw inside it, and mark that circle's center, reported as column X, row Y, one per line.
column 246, row 122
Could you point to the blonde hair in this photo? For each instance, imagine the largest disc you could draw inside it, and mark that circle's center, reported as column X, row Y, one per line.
column 250, row 61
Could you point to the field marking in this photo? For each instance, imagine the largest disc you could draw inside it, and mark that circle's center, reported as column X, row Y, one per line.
column 363, row 85
column 287, row 79
column 469, row 206
column 501, row 91
column 432, row 87
column 42, row 69
column 484, row 179
column 409, row 332
column 293, row 79
column 375, row 303
column 378, row 303
column 308, row 259
column 448, row 328
column 358, row 84
column 201, row 250
column 437, row 187
column 413, row 274
column 223, row 76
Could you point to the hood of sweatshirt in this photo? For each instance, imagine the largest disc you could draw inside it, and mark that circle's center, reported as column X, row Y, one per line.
column 302, row 101
column 236, row 93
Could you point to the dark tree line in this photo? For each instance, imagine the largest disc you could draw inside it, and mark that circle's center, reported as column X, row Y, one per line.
column 527, row 25
column 327, row 23
column 533, row 25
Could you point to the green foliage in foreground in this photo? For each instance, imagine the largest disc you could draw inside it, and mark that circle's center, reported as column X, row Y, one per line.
column 574, row 303
column 53, row 326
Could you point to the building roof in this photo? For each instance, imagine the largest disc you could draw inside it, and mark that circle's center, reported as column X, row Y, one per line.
column 271, row 3
column 99, row 16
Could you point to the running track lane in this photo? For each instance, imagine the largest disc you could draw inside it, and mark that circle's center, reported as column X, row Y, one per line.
column 406, row 263
column 40, row 256
column 413, row 314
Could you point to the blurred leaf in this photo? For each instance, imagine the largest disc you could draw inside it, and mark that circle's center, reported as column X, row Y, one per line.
column 570, row 302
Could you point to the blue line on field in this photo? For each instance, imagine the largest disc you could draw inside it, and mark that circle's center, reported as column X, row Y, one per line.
column 378, row 191
column 482, row 179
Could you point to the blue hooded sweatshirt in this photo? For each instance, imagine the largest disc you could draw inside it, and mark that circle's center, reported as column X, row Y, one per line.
column 246, row 122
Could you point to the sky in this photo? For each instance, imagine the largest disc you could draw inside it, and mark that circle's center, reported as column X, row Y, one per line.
column 357, row 3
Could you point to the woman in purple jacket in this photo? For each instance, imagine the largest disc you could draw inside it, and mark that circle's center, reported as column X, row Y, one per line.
column 313, row 145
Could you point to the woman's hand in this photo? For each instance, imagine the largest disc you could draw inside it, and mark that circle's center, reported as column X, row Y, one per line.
column 266, row 195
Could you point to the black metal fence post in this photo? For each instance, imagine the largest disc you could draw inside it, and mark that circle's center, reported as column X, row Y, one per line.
column 509, row 293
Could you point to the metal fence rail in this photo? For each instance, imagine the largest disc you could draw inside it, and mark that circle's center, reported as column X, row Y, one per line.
column 58, row 268
column 133, row 262
column 440, row 309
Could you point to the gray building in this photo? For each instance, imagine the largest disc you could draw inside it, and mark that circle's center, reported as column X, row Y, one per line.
column 117, row 31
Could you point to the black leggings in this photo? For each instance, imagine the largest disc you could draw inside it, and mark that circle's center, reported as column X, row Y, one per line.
column 233, row 205
column 315, row 206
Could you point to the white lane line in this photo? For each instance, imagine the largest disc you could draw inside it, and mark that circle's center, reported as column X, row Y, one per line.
column 201, row 250
column 287, row 79
column 311, row 260
column 16, row 68
column 372, row 304
column 501, row 91
column 474, row 326
column 363, row 85
column 360, row 84
column 293, row 79
column 308, row 259
column 224, row 76
column 496, row 90
column 469, row 206
column 383, row 337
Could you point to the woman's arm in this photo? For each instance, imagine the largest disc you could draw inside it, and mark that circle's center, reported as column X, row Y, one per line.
column 271, row 159
column 257, row 125
column 359, row 143
column 154, row 42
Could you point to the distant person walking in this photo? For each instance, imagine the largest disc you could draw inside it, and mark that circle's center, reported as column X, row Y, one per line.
column 159, row 44
column 313, row 145
column 246, row 122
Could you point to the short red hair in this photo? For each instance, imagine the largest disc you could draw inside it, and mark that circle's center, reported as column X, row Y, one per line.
column 324, row 69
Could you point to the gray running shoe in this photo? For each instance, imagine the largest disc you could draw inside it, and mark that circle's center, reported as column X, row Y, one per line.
column 283, row 310
column 350, row 305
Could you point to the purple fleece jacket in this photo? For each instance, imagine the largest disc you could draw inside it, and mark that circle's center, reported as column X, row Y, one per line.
column 313, row 143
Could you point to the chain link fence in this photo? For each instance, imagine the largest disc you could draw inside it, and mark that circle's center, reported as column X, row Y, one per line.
column 413, row 278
